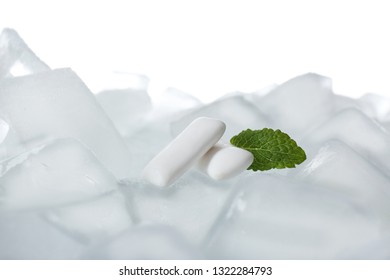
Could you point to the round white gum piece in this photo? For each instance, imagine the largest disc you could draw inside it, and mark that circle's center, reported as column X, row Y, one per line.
column 4, row 128
column 184, row 151
column 224, row 161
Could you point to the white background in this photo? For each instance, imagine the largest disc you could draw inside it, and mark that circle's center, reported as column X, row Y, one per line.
column 209, row 48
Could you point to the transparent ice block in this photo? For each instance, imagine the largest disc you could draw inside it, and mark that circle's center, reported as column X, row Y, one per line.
column 16, row 58
column 60, row 173
column 57, row 104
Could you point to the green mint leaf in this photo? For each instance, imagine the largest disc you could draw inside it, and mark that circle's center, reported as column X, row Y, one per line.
column 270, row 148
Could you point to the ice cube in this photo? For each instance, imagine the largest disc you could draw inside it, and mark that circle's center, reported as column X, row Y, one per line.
column 154, row 242
column 275, row 218
column 58, row 174
column 145, row 142
column 56, row 104
column 299, row 104
column 375, row 250
column 173, row 99
column 124, row 98
column 344, row 102
column 235, row 111
column 375, row 106
column 10, row 163
column 354, row 128
column 102, row 80
column 91, row 221
column 336, row 166
column 126, row 107
column 28, row 236
column 386, row 125
column 4, row 128
column 16, row 58
column 191, row 205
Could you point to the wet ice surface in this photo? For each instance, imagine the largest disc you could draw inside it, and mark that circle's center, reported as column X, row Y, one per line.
column 298, row 104
column 145, row 242
column 277, row 218
column 125, row 100
column 16, row 57
column 60, row 173
column 4, row 128
column 70, row 166
column 30, row 236
column 56, row 104
column 192, row 205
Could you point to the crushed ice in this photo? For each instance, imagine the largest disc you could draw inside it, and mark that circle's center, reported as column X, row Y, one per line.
column 70, row 163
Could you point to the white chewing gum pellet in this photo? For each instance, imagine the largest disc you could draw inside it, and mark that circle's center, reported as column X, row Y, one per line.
column 184, row 151
column 224, row 161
